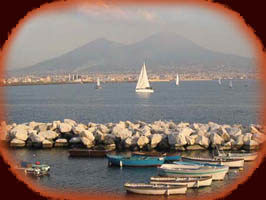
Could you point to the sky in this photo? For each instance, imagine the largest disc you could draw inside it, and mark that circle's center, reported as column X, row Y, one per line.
column 54, row 33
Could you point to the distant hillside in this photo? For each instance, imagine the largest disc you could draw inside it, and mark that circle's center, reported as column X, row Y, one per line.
column 161, row 52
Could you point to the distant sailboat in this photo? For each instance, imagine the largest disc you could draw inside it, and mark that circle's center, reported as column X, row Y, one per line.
column 177, row 80
column 219, row 81
column 98, row 84
column 143, row 84
column 230, row 84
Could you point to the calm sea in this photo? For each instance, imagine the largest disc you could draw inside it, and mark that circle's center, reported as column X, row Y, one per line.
column 191, row 101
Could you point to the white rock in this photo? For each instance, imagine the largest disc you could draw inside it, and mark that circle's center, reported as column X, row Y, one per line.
column 155, row 140
column 142, row 141
column 61, row 142
column 47, row 144
column 121, row 132
column 34, row 137
column 131, row 141
column 177, row 140
column 17, row 143
column 239, row 140
column 87, row 142
column 103, row 128
column 183, row 125
column 235, row 132
column 75, row 140
column 78, row 129
column 91, row 124
column 49, row 135
column 70, row 122
column 88, row 135
column 213, row 126
column 203, row 141
column 191, row 139
column 65, row 128
column 186, row 131
column 247, row 137
column 216, row 139
column 19, row 132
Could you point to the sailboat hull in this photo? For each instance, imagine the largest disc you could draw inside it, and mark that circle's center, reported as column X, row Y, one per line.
column 145, row 90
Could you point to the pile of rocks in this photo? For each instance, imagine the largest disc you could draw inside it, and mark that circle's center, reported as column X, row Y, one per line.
column 159, row 135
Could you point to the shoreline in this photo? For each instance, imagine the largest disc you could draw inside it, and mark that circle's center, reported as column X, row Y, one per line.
column 128, row 136
column 152, row 81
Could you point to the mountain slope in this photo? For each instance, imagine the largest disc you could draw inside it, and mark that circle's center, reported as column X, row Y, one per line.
column 162, row 51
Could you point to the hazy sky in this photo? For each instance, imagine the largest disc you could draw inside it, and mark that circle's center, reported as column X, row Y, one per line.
column 52, row 34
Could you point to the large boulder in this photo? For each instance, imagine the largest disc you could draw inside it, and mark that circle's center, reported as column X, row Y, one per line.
column 17, row 143
column 186, row 131
column 145, row 130
column 47, row 144
column 131, row 125
column 103, row 128
column 49, row 135
column 202, row 141
column 78, row 129
column 239, row 141
column 65, row 127
column 75, row 140
column 155, row 140
column 61, row 142
column 87, row 134
column 234, row 132
column 183, row 125
column 142, row 141
column 109, row 139
column 41, row 127
column 121, row 132
column 19, row 132
column 99, row 136
column 216, row 139
column 213, row 126
column 87, row 142
column 191, row 139
column 35, row 138
column 70, row 122
column 177, row 140
column 131, row 142
column 224, row 134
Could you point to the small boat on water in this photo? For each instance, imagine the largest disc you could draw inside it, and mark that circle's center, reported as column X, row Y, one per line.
column 88, row 153
column 177, row 79
column 168, row 157
column 98, row 84
column 152, row 189
column 191, row 182
column 230, row 162
column 245, row 156
column 219, row 81
column 134, row 161
column 178, row 169
column 230, row 84
column 36, row 169
column 143, row 84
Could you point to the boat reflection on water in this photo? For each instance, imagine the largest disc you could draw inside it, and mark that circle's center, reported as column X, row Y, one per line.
column 143, row 95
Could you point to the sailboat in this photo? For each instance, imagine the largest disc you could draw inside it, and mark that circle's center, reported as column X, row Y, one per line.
column 143, row 84
column 230, row 84
column 177, row 80
column 98, row 84
column 219, row 81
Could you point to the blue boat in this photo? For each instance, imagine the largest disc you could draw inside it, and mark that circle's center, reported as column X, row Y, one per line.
column 134, row 161
column 168, row 157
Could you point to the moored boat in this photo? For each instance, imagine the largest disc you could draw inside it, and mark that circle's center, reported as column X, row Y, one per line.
column 246, row 156
column 217, row 172
column 151, row 189
column 134, row 161
column 191, row 182
column 230, row 162
column 168, row 157
column 88, row 153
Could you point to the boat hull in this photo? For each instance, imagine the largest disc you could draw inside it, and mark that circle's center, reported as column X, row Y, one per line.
column 135, row 161
column 190, row 183
column 232, row 163
column 157, row 154
column 245, row 156
column 145, row 90
column 87, row 153
column 178, row 170
column 149, row 189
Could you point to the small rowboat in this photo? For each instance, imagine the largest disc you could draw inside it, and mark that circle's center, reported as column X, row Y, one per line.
column 217, row 172
column 230, row 162
column 245, row 156
column 134, row 161
column 191, row 182
column 168, row 157
column 151, row 189
column 88, row 153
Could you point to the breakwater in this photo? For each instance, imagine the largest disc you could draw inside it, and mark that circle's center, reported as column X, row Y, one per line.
column 127, row 135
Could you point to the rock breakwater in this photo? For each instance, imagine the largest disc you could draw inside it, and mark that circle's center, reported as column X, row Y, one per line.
column 126, row 135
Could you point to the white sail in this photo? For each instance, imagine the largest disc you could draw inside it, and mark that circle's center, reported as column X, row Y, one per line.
column 143, row 84
column 219, row 81
column 98, row 84
column 177, row 80
column 230, row 84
